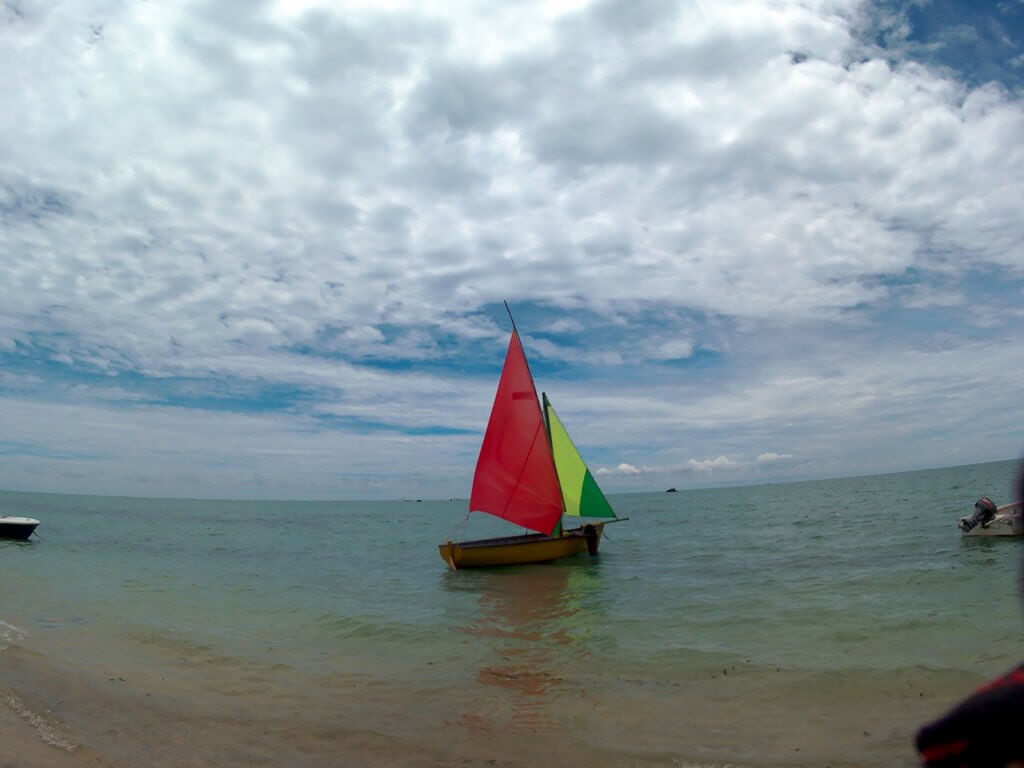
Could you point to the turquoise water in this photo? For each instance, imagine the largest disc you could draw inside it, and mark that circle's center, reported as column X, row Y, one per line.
column 811, row 623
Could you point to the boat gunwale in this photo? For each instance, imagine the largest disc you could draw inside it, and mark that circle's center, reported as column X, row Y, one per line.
column 524, row 538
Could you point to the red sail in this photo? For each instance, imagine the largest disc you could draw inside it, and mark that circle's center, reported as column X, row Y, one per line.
column 515, row 474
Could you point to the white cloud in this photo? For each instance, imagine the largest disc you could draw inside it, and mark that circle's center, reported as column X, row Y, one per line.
column 621, row 469
column 710, row 465
column 363, row 333
column 771, row 457
column 674, row 350
column 713, row 209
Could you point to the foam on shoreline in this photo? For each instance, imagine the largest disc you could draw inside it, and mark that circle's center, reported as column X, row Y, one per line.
column 49, row 730
column 10, row 634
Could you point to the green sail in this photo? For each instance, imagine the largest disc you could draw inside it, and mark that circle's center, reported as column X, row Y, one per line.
column 579, row 489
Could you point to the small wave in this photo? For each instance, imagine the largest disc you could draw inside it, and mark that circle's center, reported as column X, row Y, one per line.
column 369, row 629
column 62, row 622
column 48, row 732
column 10, row 634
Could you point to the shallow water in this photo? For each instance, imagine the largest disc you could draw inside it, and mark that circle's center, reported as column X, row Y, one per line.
column 797, row 624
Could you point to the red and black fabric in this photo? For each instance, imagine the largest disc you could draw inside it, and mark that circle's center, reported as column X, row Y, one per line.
column 985, row 730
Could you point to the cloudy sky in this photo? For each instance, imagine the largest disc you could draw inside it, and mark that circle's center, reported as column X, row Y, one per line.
column 259, row 249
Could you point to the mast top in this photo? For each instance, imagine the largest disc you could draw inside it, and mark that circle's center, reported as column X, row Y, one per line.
column 511, row 318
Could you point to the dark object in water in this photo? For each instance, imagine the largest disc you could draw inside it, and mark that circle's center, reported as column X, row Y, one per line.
column 984, row 730
column 671, row 490
column 984, row 513
column 17, row 527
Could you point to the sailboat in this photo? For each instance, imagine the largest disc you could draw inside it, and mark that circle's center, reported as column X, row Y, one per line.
column 529, row 473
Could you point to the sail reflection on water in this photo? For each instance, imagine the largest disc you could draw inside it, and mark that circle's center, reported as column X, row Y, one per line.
column 535, row 624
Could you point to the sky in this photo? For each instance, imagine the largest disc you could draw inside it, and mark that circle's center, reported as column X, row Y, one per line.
column 260, row 249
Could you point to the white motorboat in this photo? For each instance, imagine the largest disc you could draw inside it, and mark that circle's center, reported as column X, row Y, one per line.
column 16, row 527
column 990, row 520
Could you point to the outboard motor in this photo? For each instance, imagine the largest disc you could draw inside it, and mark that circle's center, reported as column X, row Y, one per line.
column 984, row 513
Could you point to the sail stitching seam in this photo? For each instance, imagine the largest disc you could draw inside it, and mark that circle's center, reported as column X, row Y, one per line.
column 522, row 469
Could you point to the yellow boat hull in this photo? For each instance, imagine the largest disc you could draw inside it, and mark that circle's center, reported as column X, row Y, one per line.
column 521, row 550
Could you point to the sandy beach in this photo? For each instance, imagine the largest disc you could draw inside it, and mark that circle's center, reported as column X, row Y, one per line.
column 24, row 747
column 74, row 720
column 101, row 719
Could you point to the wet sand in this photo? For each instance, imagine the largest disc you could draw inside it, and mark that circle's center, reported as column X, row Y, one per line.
column 65, row 718
column 23, row 747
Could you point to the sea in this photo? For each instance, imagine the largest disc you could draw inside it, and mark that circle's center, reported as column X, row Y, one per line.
column 799, row 624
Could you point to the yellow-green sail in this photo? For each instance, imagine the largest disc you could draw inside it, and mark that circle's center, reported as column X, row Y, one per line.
column 580, row 493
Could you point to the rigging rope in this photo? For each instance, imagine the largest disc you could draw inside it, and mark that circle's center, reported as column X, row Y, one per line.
column 459, row 531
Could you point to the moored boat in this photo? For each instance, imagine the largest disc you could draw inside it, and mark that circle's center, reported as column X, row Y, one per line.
column 529, row 473
column 12, row 527
column 990, row 520
column 522, row 550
